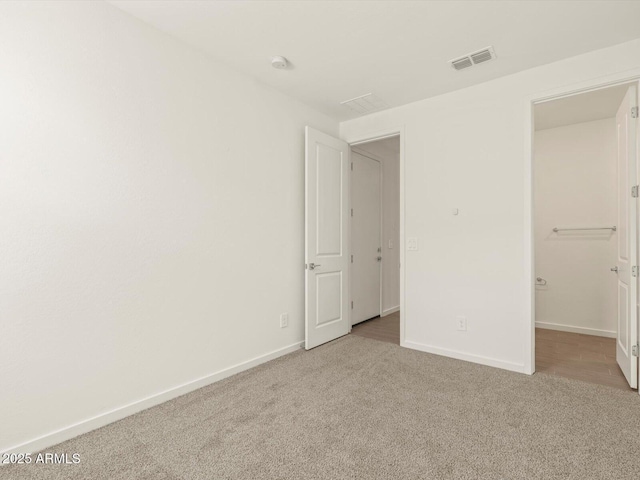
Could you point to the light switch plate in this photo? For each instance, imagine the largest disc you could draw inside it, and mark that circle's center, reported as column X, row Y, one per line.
column 412, row 243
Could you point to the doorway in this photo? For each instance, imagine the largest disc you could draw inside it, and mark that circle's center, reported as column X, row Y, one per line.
column 375, row 239
column 585, row 236
column 327, row 248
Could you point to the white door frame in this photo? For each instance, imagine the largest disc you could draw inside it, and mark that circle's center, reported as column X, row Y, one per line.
column 379, row 135
column 375, row 158
column 529, row 245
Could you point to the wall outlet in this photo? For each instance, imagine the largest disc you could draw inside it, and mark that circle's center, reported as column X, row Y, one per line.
column 412, row 243
column 461, row 324
column 284, row 320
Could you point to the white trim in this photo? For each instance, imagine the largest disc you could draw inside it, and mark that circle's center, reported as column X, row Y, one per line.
column 389, row 311
column 468, row 357
column 390, row 132
column 71, row 431
column 529, row 346
column 592, row 84
column 583, row 330
column 381, row 186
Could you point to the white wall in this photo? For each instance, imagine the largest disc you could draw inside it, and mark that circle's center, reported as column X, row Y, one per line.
column 390, row 161
column 390, row 232
column 151, row 217
column 575, row 186
column 467, row 150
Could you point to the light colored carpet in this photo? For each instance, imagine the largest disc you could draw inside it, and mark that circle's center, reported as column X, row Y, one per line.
column 362, row 409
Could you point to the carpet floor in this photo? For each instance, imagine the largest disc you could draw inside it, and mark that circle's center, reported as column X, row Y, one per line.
column 362, row 409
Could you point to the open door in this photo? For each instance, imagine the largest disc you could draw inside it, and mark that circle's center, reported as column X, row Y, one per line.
column 627, row 338
column 326, row 238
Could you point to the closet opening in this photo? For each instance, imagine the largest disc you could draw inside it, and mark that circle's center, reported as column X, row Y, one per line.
column 585, row 236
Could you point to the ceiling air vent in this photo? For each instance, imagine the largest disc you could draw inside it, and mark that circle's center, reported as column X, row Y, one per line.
column 364, row 104
column 474, row 58
column 460, row 63
column 483, row 56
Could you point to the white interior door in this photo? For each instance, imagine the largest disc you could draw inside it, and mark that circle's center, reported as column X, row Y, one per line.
column 326, row 238
column 627, row 240
column 366, row 244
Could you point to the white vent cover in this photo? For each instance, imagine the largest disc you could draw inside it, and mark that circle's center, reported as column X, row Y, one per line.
column 474, row 58
column 365, row 104
column 460, row 63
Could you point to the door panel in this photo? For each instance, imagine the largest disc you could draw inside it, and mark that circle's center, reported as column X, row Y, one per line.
column 329, row 200
column 326, row 238
column 627, row 239
column 329, row 295
column 366, row 238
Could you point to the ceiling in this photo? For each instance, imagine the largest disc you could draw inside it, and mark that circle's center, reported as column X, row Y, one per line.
column 396, row 49
column 387, row 147
column 585, row 107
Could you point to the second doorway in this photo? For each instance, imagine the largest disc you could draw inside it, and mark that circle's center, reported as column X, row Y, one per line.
column 375, row 230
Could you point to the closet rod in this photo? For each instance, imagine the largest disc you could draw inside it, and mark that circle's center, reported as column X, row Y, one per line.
column 557, row 229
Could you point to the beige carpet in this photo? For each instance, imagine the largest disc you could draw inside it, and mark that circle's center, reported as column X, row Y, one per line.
column 362, row 409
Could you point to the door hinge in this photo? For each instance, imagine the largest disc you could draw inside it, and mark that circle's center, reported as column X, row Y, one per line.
column 351, row 258
column 352, row 166
column 635, row 350
column 352, row 212
column 351, row 304
column 634, row 271
column 634, row 112
column 634, row 191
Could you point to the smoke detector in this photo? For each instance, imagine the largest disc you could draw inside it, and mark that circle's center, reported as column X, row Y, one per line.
column 279, row 62
column 364, row 104
column 475, row 58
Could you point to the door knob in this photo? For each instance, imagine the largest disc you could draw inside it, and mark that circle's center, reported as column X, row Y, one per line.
column 614, row 269
column 313, row 266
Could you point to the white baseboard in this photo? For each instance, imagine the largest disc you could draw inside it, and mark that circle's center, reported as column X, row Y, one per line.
column 445, row 352
column 572, row 329
column 84, row 426
column 389, row 311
